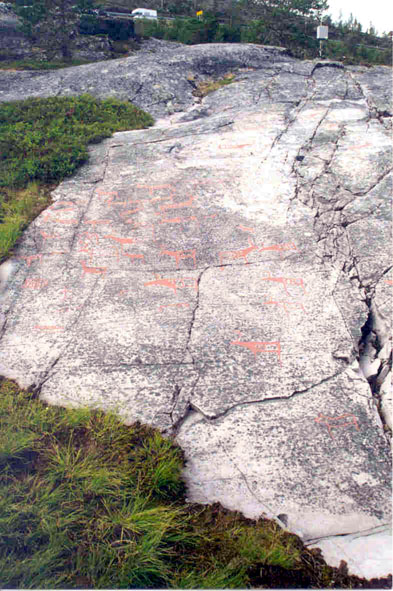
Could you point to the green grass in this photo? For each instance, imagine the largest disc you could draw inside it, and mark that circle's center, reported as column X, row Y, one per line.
column 44, row 140
column 87, row 502
column 207, row 86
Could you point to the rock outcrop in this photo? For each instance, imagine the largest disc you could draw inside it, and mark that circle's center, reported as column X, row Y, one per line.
column 226, row 276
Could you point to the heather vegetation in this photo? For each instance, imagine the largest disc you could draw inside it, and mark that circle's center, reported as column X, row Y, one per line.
column 44, row 140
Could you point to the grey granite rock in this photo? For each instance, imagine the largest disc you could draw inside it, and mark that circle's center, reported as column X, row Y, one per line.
column 223, row 276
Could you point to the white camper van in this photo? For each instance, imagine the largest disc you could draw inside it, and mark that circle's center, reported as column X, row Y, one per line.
column 144, row 13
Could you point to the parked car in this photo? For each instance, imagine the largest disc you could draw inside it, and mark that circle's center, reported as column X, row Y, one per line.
column 144, row 13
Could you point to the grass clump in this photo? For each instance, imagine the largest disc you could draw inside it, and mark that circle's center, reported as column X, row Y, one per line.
column 44, row 140
column 87, row 502
column 207, row 86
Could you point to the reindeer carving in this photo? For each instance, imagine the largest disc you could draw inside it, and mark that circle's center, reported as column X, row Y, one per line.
column 93, row 270
column 180, row 254
column 345, row 420
column 238, row 254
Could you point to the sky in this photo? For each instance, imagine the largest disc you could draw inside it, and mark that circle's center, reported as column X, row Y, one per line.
column 379, row 12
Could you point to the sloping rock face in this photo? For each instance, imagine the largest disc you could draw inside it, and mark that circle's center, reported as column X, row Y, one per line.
column 226, row 277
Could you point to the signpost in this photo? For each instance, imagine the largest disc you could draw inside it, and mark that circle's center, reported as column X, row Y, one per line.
column 322, row 33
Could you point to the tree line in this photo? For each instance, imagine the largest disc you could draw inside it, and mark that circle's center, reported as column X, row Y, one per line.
column 55, row 24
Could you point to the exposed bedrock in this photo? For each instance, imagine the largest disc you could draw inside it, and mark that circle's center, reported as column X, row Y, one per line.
column 226, row 276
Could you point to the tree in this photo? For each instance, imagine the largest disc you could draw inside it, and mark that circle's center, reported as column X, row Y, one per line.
column 52, row 24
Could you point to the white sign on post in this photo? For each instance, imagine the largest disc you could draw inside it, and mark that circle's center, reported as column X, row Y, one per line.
column 322, row 32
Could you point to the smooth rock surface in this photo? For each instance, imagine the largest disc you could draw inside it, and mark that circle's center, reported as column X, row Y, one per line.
column 219, row 276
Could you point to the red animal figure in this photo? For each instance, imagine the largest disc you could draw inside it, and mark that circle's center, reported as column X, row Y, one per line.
column 93, row 270
column 42, row 327
column 142, row 225
column 180, row 254
column 180, row 220
column 286, row 281
column 48, row 236
column 31, row 258
column 34, row 283
column 238, row 254
column 192, row 283
column 132, row 257
column 261, row 347
column 246, row 229
column 337, row 422
column 171, row 283
column 140, row 207
column 112, row 195
column 152, row 188
column 233, row 147
column 120, row 240
column 96, row 222
column 280, row 247
column 187, row 203
column 71, row 207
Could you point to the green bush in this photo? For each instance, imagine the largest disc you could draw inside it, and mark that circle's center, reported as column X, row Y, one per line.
column 46, row 139
column 227, row 34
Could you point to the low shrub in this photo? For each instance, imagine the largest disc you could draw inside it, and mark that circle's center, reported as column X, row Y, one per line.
column 44, row 141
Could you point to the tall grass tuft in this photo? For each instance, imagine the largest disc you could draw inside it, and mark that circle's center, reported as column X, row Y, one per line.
column 87, row 502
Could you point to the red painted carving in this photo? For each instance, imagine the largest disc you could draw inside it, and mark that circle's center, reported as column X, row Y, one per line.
column 146, row 225
column 111, row 194
column 280, row 247
column 288, row 305
column 238, row 254
column 34, row 283
column 93, row 270
column 261, row 347
column 187, row 203
column 192, row 283
column 133, row 257
column 180, row 220
column 344, row 420
column 233, row 147
column 86, row 241
column 120, row 240
column 287, row 281
column 43, row 327
column 127, row 212
column 152, row 188
column 31, row 258
column 180, row 255
column 171, row 283
column 246, row 229
column 71, row 206
column 175, row 284
column 389, row 281
column 97, row 222
column 48, row 236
